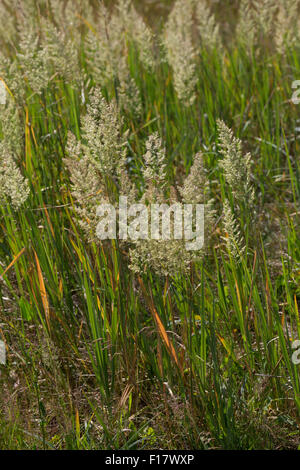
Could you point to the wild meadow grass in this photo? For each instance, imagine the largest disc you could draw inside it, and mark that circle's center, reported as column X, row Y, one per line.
column 100, row 356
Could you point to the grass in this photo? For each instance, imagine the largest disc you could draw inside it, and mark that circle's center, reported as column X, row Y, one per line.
column 99, row 358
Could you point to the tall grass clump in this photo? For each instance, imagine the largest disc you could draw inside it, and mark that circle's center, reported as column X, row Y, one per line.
column 141, row 344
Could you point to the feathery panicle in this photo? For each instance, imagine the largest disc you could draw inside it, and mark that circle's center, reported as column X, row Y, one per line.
column 90, row 161
column 246, row 26
column 155, row 165
column 256, row 22
column 87, row 186
column 106, row 48
column 68, row 16
column 144, row 39
column 100, row 63
column 61, row 54
column 33, row 61
column 11, row 127
column 73, row 147
column 165, row 258
column 13, row 187
column 129, row 97
column 170, row 257
column 178, row 43
column 27, row 16
column 286, row 24
column 194, row 188
column 11, row 74
column 264, row 15
column 107, row 52
column 99, row 155
column 208, row 30
column 137, row 31
column 234, row 240
column 57, row 12
column 237, row 167
column 47, row 54
column 102, row 131
column 8, row 25
column 126, row 185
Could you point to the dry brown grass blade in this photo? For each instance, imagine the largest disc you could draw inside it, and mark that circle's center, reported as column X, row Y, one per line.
column 161, row 329
column 13, row 262
column 49, row 221
column 43, row 291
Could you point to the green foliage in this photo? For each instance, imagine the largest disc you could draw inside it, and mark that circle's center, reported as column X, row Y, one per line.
column 99, row 357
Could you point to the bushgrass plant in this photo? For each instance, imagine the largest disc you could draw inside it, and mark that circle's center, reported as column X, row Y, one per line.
column 100, row 356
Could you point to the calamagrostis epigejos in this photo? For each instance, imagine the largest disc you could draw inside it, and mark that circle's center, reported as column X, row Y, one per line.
column 97, row 161
column 138, row 32
column 61, row 53
column 178, row 43
column 32, row 61
column 11, row 74
column 14, row 189
column 87, row 186
column 8, row 24
column 69, row 15
column 287, row 24
column 101, row 128
column 12, row 127
column 236, row 166
column 155, row 164
column 170, row 257
column 129, row 97
column 246, row 27
column 107, row 49
column 264, row 14
column 89, row 169
column 47, row 54
column 256, row 23
column 233, row 237
column 208, row 29
column 237, row 172
column 196, row 190
column 164, row 257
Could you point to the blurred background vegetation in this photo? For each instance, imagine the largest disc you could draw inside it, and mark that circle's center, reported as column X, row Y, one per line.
column 155, row 11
